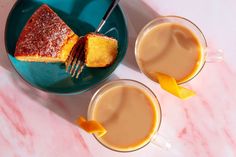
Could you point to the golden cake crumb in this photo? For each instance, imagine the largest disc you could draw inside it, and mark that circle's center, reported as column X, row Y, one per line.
column 100, row 51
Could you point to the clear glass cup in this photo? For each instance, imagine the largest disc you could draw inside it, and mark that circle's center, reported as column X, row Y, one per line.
column 155, row 138
column 208, row 54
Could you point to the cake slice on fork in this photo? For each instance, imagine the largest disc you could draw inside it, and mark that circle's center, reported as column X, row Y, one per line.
column 100, row 50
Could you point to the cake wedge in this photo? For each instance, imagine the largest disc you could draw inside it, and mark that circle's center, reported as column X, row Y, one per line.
column 45, row 38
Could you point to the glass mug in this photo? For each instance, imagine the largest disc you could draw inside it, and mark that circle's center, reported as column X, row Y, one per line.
column 111, row 113
column 207, row 54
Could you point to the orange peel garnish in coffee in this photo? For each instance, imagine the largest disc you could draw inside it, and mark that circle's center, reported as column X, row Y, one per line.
column 91, row 126
column 169, row 84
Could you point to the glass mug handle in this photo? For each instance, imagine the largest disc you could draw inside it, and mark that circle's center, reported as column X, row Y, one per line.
column 160, row 141
column 214, row 55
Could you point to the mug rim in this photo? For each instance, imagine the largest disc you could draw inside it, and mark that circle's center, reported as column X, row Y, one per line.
column 140, row 35
column 96, row 94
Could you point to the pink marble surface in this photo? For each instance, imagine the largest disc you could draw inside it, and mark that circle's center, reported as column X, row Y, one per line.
column 37, row 124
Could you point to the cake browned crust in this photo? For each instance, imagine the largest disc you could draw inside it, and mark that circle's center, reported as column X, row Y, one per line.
column 45, row 38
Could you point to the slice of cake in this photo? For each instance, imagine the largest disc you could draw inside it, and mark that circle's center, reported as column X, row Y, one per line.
column 100, row 51
column 45, row 38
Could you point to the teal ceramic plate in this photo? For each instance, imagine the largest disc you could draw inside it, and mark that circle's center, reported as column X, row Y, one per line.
column 82, row 16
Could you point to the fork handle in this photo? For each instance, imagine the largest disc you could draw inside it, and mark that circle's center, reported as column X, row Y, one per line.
column 107, row 14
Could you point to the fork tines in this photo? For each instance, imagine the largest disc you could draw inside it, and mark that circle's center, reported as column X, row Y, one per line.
column 75, row 61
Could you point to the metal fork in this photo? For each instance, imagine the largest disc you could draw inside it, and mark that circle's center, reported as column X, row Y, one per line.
column 76, row 60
